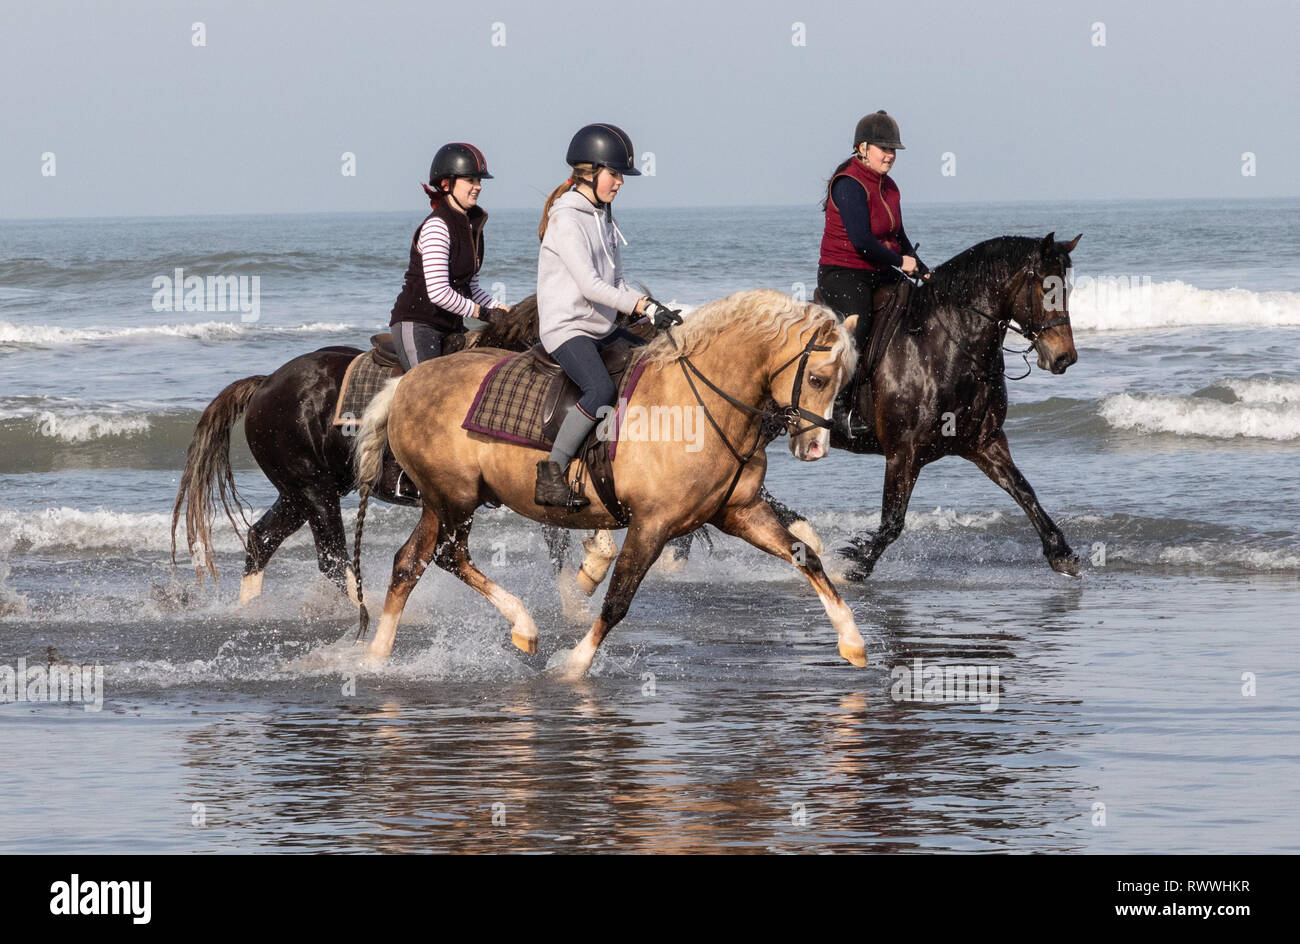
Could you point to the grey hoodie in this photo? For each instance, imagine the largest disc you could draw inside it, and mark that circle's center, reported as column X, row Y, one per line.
column 580, row 288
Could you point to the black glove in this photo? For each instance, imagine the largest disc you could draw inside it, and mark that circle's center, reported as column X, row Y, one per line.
column 662, row 316
column 488, row 315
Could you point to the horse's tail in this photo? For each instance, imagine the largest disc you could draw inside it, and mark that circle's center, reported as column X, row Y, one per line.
column 368, row 460
column 207, row 468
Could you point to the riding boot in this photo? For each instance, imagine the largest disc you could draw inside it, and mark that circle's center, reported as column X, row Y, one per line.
column 551, row 487
column 553, row 490
column 393, row 481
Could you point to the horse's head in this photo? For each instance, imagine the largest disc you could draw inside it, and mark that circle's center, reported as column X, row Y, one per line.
column 809, row 370
column 1041, row 304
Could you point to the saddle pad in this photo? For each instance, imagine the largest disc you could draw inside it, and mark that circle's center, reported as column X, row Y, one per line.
column 364, row 378
column 511, row 402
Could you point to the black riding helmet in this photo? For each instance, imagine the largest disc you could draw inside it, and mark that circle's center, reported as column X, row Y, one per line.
column 604, row 145
column 458, row 160
column 878, row 129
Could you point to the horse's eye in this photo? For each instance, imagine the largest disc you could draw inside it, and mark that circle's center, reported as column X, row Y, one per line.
column 816, row 382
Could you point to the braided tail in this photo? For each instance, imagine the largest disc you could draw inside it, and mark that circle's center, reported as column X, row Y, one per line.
column 364, row 617
column 368, row 459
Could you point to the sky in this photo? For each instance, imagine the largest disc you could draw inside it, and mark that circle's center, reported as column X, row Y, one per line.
column 115, row 109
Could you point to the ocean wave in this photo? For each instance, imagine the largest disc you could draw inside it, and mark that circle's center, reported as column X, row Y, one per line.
column 75, row 530
column 84, row 427
column 18, row 335
column 1127, row 304
column 1208, row 556
column 1262, row 390
column 1277, row 420
column 41, row 434
column 56, row 274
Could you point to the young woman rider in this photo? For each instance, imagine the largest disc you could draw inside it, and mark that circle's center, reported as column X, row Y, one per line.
column 863, row 239
column 580, row 290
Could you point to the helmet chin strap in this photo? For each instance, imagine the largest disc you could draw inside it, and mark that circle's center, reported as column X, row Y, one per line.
column 598, row 203
column 452, row 197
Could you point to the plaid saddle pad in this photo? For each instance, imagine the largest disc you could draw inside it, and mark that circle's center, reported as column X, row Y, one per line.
column 521, row 398
column 365, row 377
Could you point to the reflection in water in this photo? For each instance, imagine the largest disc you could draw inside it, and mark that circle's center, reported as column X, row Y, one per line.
column 545, row 767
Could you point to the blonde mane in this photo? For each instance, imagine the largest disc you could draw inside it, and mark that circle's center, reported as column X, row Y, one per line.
column 761, row 314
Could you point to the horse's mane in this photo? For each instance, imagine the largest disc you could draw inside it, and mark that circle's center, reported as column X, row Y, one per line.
column 763, row 314
column 994, row 259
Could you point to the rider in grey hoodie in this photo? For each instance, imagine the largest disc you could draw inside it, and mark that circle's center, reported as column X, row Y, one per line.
column 580, row 291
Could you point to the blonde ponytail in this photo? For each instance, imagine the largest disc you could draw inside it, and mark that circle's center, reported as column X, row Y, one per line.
column 586, row 178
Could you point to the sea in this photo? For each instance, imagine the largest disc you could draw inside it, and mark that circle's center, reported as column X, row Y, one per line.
column 1150, row 706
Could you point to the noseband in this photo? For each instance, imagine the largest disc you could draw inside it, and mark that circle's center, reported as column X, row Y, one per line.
column 1031, row 333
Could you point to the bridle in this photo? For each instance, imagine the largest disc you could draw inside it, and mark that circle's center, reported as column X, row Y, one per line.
column 1027, row 274
column 789, row 416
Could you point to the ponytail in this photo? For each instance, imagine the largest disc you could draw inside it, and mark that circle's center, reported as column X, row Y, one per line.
column 546, row 210
column 435, row 196
column 829, row 183
column 559, row 191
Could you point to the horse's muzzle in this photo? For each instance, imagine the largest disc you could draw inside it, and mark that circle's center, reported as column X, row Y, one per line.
column 1056, row 357
column 811, row 445
column 1057, row 363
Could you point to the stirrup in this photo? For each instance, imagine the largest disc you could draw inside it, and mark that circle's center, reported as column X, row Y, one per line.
column 553, row 491
column 405, row 487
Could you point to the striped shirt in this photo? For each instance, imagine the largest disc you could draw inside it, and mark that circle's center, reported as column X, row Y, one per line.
column 435, row 251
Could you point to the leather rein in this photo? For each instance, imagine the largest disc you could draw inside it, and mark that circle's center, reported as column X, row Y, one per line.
column 789, row 415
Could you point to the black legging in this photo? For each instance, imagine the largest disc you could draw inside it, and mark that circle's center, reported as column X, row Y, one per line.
column 849, row 292
column 580, row 358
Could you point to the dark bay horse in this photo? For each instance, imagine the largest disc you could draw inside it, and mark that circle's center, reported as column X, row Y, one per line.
column 288, row 422
column 940, row 388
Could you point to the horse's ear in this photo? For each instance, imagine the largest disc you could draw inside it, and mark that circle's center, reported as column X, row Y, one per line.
column 851, row 324
column 1048, row 242
column 1069, row 247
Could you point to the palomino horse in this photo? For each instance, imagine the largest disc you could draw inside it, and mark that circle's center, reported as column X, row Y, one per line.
column 940, row 387
column 750, row 350
column 288, row 422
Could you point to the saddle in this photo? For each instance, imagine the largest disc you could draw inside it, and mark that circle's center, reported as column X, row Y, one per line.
column 368, row 373
column 854, row 412
column 525, row 397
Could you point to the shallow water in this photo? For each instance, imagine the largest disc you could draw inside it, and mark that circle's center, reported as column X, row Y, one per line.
column 718, row 715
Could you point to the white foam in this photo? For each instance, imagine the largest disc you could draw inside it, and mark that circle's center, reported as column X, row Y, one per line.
column 1116, row 304
column 66, row 528
column 84, row 427
column 1263, row 390
column 1198, row 416
column 52, row 335
column 61, row 528
column 941, row 519
column 1213, row 555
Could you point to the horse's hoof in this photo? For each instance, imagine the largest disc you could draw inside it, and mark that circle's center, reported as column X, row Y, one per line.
column 855, row 653
column 1066, row 565
column 524, row 643
column 857, row 574
column 859, row 550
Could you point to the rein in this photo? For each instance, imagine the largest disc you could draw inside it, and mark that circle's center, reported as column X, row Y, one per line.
column 790, row 415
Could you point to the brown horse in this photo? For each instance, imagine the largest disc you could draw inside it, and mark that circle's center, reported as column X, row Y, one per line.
column 731, row 359
column 940, row 388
